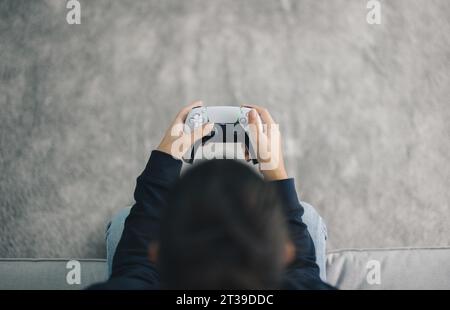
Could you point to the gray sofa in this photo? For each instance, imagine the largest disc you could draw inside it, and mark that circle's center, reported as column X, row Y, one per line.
column 403, row 268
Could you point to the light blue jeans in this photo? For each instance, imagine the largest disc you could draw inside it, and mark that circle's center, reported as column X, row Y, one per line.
column 316, row 228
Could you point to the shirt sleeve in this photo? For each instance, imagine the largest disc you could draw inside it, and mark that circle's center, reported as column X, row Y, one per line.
column 131, row 268
column 303, row 270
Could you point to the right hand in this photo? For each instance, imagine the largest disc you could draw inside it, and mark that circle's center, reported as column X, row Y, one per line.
column 265, row 137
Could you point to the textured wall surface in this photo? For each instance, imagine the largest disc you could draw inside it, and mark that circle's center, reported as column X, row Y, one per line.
column 364, row 109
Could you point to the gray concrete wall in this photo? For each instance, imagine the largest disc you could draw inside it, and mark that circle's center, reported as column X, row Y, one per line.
column 364, row 109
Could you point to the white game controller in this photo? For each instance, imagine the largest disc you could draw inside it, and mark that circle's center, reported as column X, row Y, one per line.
column 230, row 122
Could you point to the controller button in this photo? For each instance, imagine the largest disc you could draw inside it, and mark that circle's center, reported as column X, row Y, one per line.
column 243, row 120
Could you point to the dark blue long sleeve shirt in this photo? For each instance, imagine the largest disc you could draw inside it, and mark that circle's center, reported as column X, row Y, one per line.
column 132, row 268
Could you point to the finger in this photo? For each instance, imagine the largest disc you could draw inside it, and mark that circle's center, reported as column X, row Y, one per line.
column 200, row 132
column 181, row 116
column 263, row 112
column 254, row 128
column 247, row 155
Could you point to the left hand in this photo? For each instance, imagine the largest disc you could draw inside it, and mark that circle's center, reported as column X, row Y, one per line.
column 176, row 141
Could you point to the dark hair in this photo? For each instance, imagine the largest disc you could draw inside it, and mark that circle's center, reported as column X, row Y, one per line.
column 223, row 229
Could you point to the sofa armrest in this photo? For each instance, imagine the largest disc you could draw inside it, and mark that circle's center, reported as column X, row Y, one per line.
column 400, row 268
column 48, row 274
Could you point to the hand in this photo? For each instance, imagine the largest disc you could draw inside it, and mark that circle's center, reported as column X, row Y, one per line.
column 265, row 137
column 176, row 141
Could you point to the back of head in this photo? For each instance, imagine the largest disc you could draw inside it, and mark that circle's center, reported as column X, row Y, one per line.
column 223, row 229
